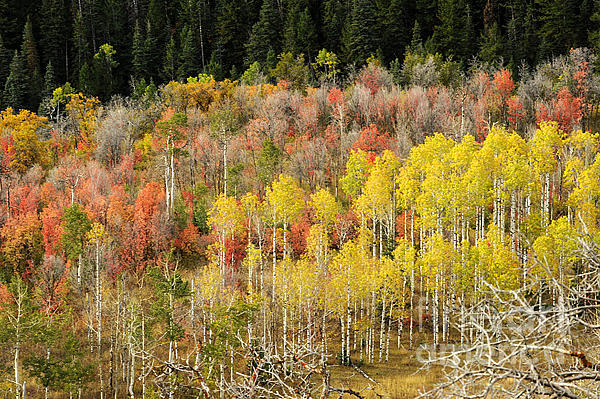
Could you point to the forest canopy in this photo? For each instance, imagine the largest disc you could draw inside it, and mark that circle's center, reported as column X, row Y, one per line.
column 230, row 199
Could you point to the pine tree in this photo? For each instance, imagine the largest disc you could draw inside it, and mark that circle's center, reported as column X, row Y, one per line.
column 558, row 26
column 187, row 53
column 9, row 26
column 16, row 87
column 453, row 36
column 232, row 33
column 491, row 48
column 300, row 32
column 139, row 62
column 170, row 66
column 49, row 81
column 82, row 52
column 118, row 34
column 265, row 34
column 103, row 70
column 54, row 35
column 361, row 34
column 594, row 35
column 30, row 54
column 155, row 38
column 397, row 33
column 5, row 58
column 334, row 14
column 416, row 42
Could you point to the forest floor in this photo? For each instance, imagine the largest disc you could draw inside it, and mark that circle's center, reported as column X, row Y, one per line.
column 402, row 377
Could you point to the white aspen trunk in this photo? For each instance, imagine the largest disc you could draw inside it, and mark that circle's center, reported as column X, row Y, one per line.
column 143, row 375
column 285, row 252
column 412, row 304
column 324, row 335
column 274, row 255
column 348, row 324
column 355, row 329
column 167, row 174
column 16, row 366
column 382, row 327
column 513, row 214
column 172, row 189
column 171, row 359
column 342, row 340
column 225, row 167
column 285, row 329
column 387, row 335
column 221, row 381
column 99, row 319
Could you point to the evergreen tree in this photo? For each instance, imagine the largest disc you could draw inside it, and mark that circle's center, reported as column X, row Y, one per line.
column 82, row 53
column 155, row 38
column 300, row 32
column 16, row 87
column 558, row 26
column 214, row 67
column 54, row 35
column 397, row 31
column 30, row 54
column 594, row 35
column 139, row 61
column 453, row 36
column 491, row 48
column 119, row 36
column 103, row 68
column 360, row 37
column 522, row 40
column 86, row 79
column 232, row 33
column 170, row 66
column 9, row 26
column 49, row 81
column 265, row 34
column 5, row 58
column 334, row 15
column 416, row 42
column 427, row 15
column 187, row 55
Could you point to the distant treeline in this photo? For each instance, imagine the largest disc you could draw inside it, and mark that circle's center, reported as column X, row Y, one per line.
column 47, row 43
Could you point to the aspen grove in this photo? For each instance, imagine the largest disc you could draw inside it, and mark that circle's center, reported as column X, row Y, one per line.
column 226, row 239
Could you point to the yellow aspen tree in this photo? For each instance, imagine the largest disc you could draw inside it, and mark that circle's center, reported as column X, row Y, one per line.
column 226, row 219
column 285, row 202
column 544, row 149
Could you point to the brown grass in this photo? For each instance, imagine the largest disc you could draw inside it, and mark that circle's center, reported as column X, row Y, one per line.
column 400, row 378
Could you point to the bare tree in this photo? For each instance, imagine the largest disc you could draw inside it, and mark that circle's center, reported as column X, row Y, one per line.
column 524, row 344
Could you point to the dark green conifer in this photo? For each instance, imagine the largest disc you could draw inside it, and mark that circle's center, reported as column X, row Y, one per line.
column 265, row 34
column 16, row 86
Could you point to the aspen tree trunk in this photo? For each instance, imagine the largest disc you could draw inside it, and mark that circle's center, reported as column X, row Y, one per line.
column 172, row 190
column 167, row 174
column 513, row 214
column 382, row 327
column 285, row 329
column 324, row 335
column 412, row 304
column 274, row 254
column 17, row 352
column 143, row 354
column 387, row 336
column 171, row 349
column 348, row 324
column 225, row 167
column 99, row 319
column 343, row 340
column 131, row 375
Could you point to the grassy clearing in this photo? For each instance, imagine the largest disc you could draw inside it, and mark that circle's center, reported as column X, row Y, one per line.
column 399, row 378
